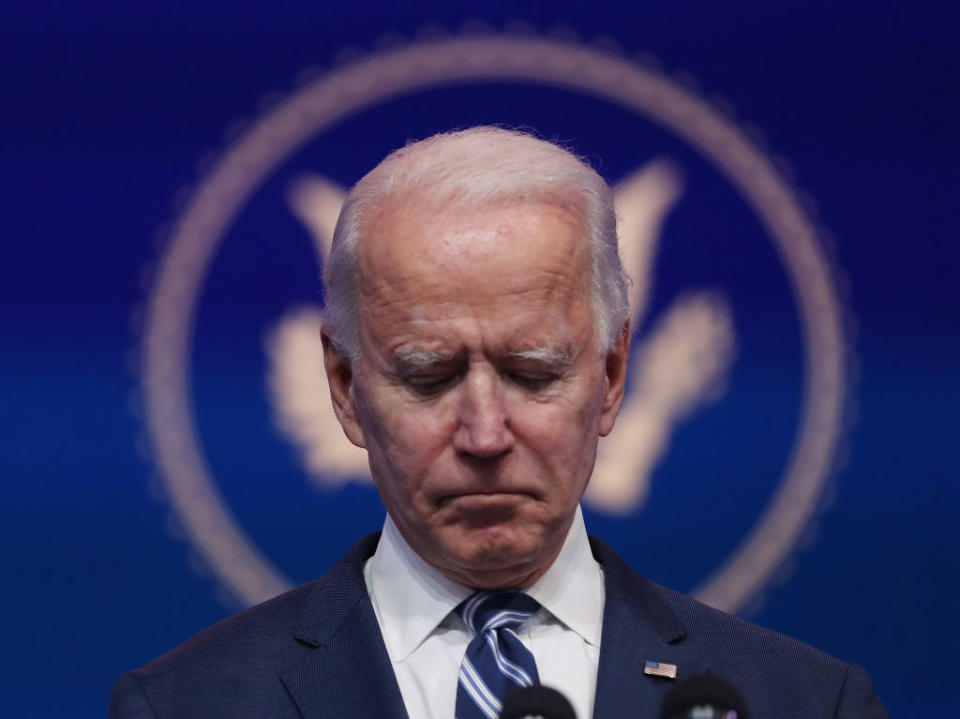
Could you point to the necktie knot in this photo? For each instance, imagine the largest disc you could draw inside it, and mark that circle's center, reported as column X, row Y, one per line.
column 487, row 611
column 496, row 662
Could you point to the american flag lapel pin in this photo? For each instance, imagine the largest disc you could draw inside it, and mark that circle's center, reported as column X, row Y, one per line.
column 660, row 669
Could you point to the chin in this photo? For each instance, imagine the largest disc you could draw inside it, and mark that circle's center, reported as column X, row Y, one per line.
column 498, row 556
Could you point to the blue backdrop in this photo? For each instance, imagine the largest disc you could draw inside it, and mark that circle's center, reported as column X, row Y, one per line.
column 115, row 116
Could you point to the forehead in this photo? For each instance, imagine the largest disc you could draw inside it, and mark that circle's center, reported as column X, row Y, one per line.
column 508, row 276
column 420, row 263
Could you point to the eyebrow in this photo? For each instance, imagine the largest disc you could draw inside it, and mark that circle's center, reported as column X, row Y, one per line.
column 549, row 355
column 417, row 358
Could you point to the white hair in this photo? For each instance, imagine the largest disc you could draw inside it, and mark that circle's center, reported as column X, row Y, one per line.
column 474, row 168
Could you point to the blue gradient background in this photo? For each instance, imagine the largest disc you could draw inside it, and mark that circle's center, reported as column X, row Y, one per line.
column 107, row 108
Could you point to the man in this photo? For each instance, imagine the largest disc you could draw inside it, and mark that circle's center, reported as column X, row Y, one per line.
column 476, row 337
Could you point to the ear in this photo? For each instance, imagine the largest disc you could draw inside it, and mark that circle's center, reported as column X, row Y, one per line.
column 615, row 379
column 342, row 391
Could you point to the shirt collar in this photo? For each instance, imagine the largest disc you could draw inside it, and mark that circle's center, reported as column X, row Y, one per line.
column 412, row 598
column 572, row 588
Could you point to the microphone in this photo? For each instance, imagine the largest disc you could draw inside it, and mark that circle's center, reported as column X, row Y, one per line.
column 706, row 696
column 537, row 701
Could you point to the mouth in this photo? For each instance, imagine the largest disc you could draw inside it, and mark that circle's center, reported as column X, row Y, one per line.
column 475, row 511
column 485, row 498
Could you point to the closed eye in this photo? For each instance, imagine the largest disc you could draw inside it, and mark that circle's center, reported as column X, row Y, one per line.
column 535, row 369
column 431, row 384
column 532, row 381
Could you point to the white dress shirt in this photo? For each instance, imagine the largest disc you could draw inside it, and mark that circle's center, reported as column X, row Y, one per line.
column 426, row 640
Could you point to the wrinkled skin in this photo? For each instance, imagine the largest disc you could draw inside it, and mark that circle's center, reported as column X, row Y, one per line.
column 479, row 391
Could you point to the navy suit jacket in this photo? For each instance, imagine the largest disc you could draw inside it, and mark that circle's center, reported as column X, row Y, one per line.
column 317, row 651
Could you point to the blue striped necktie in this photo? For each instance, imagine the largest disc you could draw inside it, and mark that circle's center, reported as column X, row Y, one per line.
column 496, row 662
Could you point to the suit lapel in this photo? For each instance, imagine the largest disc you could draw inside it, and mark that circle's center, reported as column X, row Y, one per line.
column 638, row 626
column 343, row 669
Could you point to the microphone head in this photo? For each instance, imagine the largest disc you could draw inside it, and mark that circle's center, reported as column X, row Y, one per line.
column 537, row 701
column 705, row 696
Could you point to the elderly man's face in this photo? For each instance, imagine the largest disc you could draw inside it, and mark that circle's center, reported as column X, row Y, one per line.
column 479, row 392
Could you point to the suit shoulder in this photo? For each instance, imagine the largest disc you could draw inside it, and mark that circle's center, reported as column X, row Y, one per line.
column 215, row 673
column 707, row 632
column 777, row 670
column 270, row 628
column 261, row 628
column 718, row 626
column 237, row 663
column 771, row 669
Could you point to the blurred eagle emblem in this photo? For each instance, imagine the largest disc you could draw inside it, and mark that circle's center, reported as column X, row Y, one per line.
column 683, row 349
column 675, row 367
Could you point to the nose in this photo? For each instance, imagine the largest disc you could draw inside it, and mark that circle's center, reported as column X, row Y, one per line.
column 482, row 419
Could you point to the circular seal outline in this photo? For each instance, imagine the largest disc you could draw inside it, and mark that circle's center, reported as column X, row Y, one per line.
column 196, row 236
